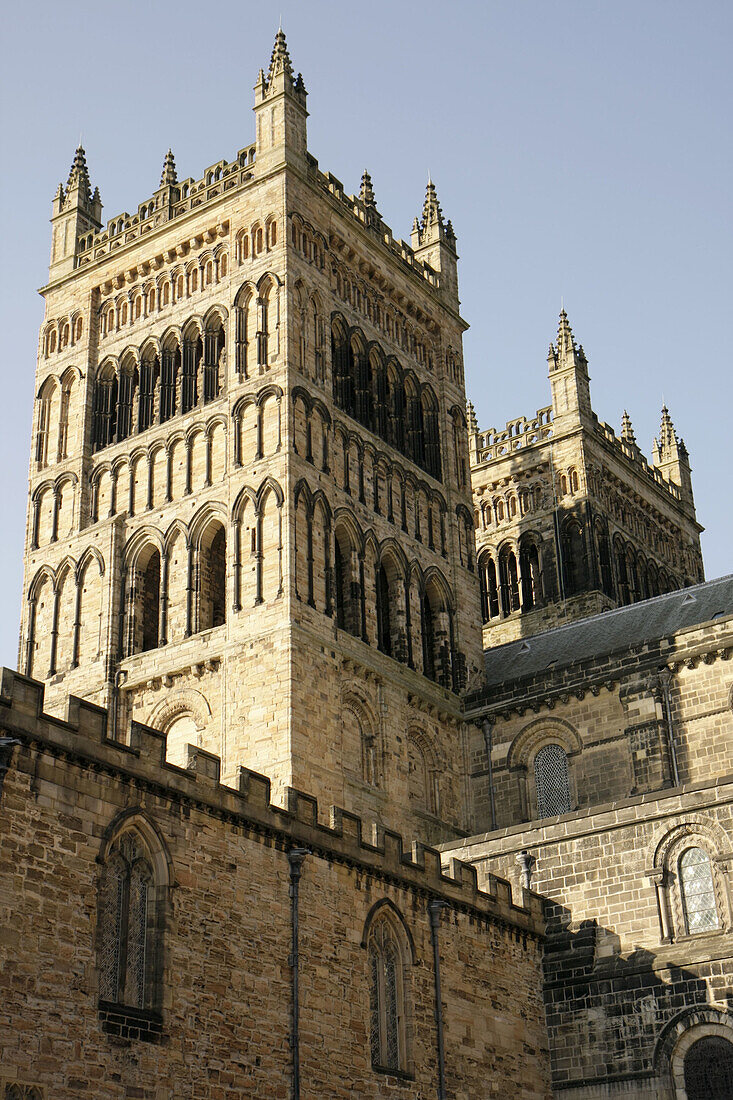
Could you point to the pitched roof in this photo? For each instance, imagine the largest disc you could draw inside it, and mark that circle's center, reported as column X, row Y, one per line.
column 611, row 631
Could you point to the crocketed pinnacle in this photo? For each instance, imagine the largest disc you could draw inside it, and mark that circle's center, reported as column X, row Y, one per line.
column 366, row 191
column 169, row 175
column 280, row 60
column 565, row 339
column 667, row 434
column 471, row 417
column 79, row 175
column 431, row 212
column 627, row 430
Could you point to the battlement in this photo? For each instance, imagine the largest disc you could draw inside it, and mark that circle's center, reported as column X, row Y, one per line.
column 368, row 218
column 187, row 195
column 182, row 197
column 517, row 435
column 494, row 445
column 376, row 851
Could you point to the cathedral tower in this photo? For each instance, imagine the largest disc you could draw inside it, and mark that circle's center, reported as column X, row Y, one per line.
column 571, row 519
column 249, row 519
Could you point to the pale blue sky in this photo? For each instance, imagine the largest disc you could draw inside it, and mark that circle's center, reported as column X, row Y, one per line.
column 582, row 150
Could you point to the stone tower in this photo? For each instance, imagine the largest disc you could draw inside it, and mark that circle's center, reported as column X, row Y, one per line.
column 249, row 519
column 570, row 518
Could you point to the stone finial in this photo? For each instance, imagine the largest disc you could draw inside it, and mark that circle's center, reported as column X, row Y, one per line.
column 450, row 233
column 366, row 191
column 79, row 175
column 169, row 175
column 431, row 212
column 627, row 430
column 280, row 60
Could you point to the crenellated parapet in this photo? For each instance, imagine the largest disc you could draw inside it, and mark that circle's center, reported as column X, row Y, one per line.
column 82, row 739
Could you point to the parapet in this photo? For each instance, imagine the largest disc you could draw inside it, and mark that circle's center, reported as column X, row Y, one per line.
column 374, row 851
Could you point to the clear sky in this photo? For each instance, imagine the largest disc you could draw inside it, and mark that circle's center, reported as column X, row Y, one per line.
column 581, row 148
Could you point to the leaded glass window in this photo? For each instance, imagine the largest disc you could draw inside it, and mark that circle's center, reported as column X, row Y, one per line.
column 709, row 1069
column 386, row 997
column 552, row 781
column 698, row 891
column 125, row 924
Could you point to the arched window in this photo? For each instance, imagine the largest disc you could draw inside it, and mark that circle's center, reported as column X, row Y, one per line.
column 552, row 781
column 143, row 602
column 212, row 350
column 432, row 433
column 346, row 586
column 192, row 351
column 386, row 952
column 604, row 558
column 62, row 449
column 105, row 407
column 508, row 581
column 708, row 1068
column 146, row 394
column 125, row 401
column 128, row 944
column 170, row 366
column 698, row 892
column 212, row 574
column 384, row 624
column 529, row 567
column 44, row 421
column 489, row 588
column 573, row 557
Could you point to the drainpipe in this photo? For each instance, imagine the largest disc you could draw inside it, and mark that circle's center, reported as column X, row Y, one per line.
column 488, row 728
column 665, row 677
column 434, row 909
column 296, row 857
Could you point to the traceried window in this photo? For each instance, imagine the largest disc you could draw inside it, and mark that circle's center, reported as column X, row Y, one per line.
column 698, row 892
column 387, row 998
column 127, row 925
column 552, row 781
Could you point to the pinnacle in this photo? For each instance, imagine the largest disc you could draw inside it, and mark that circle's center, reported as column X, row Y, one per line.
column 565, row 338
column 627, row 430
column 431, row 212
column 79, row 174
column 667, row 434
column 169, row 175
column 280, row 60
column 366, row 191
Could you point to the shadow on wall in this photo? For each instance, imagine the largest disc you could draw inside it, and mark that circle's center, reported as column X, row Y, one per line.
column 617, row 1019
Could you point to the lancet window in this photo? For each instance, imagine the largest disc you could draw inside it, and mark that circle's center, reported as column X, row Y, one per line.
column 387, row 954
column 128, row 945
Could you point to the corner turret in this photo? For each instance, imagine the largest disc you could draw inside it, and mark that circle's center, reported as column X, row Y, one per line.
column 670, row 457
column 280, row 112
column 569, row 379
column 434, row 241
column 75, row 211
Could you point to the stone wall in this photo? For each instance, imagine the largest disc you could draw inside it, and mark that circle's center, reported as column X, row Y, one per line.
column 219, row 1026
